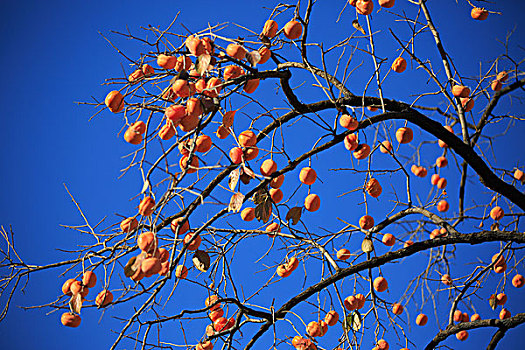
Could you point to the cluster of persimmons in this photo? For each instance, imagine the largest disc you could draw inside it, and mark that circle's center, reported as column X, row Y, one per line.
column 188, row 97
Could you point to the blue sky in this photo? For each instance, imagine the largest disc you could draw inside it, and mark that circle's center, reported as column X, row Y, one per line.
column 53, row 56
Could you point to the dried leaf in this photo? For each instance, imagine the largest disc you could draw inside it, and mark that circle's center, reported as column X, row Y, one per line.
column 138, row 262
column 227, row 118
column 356, row 25
column 263, row 210
column 236, row 202
column 201, row 260
column 367, row 246
column 233, row 179
column 249, row 172
column 128, row 269
column 492, row 302
column 75, row 303
column 352, row 322
column 202, row 63
column 145, row 187
column 253, row 57
column 260, row 196
column 207, row 105
column 294, row 214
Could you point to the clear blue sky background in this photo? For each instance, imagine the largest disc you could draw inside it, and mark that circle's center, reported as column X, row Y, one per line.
column 52, row 56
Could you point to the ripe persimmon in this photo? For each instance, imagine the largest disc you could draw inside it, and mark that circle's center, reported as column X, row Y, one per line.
column 404, row 135
column 195, row 45
column 251, row 85
column 215, row 314
column 167, row 131
column 175, row 112
column 146, row 206
column 479, row 13
column 307, row 176
column 434, row 179
column 271, row 228
column 441, row 162
column 385, row 147
column 399, row 65
column 362, row 151
column 196, row 242
column 351, row 142
column 387, row 3
column 442, row 183
column 293, row 30
column 104, row 298
column 348, row 122
column 421, row 319
column 366, row 222
column 519, row 175
column 364, row 7
column 192, row 168
column 213, row 88
column 212, row 300
column 236, row 51
column 331, row 318
column 380, row 284
column 442, row 206
column 389, row 239
column 312, row 202
column 129, row 225
column 247, row 138
column 151, row 266
column 501, row 299
column 176, row 223
column 462, row 335
column 181, row 272
column 373, row 188
column 382, row 345
column 504, row 313
column 248, row 214
column 236, row 154
column 277, row 181
column 313, row 329
column 276, row 194
column 166, row 62
column 497, row 213
column 343, row 254
column 270, row 28
column 114, row 101
column 193, row 107
column 446, row 280
column 232, row 72
column 265, row 53
column 475, row 317
column 69, row 319
column 251, row 153
column 460, row 91
column 66, row 287
column 518, row 281
column 496, row 85
column 147, row 242
column 182, row 63
column 397, row 309
column 467, row 103
column 89, row 279
column 268, row 167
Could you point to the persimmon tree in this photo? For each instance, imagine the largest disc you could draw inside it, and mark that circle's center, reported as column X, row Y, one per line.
column 298, row 205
